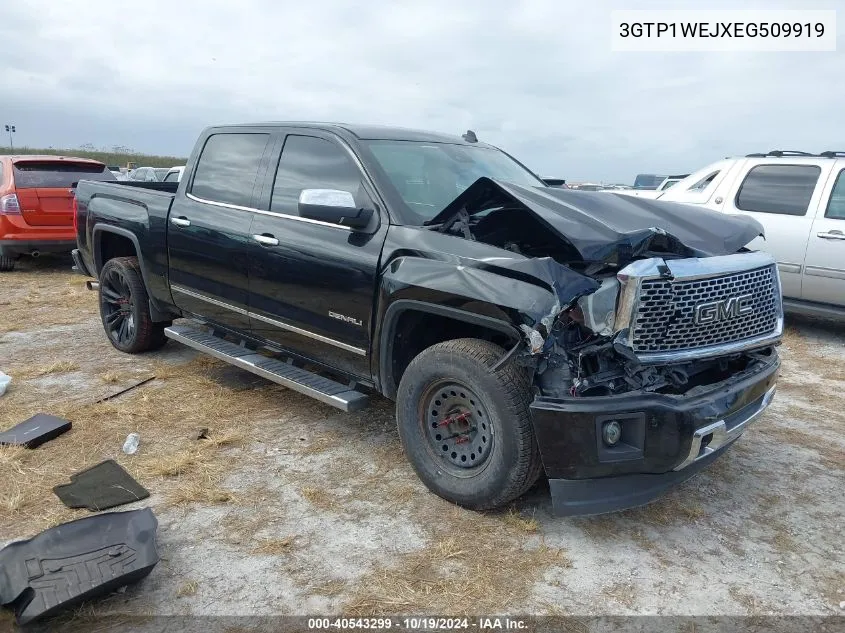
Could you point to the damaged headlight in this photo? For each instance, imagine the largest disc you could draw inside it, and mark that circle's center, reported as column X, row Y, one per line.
column 599, row 308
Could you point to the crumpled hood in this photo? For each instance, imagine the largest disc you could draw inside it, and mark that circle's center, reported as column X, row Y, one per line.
column 613, row 228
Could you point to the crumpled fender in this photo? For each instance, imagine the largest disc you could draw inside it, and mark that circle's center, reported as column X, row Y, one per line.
column 530, row 287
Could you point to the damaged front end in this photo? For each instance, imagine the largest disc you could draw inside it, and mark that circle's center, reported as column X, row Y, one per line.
column 653, row 347
column 642, row 382
column 661, row 326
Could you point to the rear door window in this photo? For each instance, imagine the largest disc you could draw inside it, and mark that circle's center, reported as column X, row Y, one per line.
column 228, row 166
column 836, row 205
column 55, row 175
column 780, row 189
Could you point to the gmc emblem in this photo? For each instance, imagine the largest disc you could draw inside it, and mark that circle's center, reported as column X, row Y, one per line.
column 730, row 308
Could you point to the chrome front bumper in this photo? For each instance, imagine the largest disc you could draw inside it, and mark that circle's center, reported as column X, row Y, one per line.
column 709, row 439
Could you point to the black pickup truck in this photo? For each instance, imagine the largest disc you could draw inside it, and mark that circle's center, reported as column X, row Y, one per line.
column 616, row 343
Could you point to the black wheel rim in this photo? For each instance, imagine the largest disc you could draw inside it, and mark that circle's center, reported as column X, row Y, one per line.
column 118, row 307
column 457, row 426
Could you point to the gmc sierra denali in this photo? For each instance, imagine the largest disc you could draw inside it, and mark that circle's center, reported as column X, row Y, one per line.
column 616, row 343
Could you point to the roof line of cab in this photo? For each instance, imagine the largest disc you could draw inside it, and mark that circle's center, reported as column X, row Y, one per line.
column 361, row 132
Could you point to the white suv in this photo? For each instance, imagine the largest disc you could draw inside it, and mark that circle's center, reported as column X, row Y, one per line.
column 800, row 200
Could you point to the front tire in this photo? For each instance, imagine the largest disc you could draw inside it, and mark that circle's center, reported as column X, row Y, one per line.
column 125, row 308
column 466, row 430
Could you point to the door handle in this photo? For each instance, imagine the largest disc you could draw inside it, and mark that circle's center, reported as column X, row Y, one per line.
column 832, row 235
column 266, row 240
column 180, row 221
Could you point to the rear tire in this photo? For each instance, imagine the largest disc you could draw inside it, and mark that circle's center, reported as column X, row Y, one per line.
column 6, row 263
column 125, row 308
column 466, row 430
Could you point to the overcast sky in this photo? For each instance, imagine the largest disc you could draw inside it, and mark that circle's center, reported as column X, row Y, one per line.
column 534, row 77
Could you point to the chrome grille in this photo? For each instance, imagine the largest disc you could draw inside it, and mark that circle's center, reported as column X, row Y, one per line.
column 665, row 317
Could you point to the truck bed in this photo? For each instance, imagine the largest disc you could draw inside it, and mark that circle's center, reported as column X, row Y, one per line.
column 117, row 218
column 168, row 187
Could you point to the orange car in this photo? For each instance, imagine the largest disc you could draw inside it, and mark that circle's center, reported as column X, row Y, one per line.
column 36, row 203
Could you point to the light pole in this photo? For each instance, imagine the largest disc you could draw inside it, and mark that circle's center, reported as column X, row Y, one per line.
column 11, row 130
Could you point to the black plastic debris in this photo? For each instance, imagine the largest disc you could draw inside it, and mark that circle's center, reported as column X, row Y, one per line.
column 35, row 431
column 123, row 391
column 77, row 561
column 101, row 487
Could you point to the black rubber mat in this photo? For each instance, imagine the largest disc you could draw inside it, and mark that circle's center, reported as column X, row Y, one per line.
column 35, row 431
column 101, row 487
column 77, row 561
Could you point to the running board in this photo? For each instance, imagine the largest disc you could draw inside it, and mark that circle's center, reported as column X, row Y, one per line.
column 323, row 389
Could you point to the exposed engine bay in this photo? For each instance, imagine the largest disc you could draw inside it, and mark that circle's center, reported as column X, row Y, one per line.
column 575, row 348
column 579, row 363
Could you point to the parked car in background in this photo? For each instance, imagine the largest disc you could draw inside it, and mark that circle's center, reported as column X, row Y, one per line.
column 800, row 200
column 174, row 174
column 648, row 181
column 148, row 174
column 669, row 181
column 36, row 203
column 519, row 327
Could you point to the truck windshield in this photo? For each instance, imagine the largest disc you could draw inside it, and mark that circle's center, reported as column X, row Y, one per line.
column 428, row 176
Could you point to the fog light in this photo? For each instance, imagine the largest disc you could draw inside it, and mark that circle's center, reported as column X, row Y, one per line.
column 611, row 432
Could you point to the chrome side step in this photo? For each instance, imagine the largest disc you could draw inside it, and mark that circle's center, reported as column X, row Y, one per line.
column 323, row 389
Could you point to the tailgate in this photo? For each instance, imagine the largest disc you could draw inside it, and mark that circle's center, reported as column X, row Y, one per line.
column 47, row 206
column 44, row 188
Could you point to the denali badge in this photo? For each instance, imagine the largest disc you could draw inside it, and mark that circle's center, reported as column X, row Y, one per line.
column 730, row 308
column 348, row 319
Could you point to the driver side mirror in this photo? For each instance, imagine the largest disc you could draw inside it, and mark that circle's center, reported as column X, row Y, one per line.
column 333, row 206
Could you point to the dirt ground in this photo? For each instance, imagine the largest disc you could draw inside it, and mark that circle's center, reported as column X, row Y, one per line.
column 292, row 507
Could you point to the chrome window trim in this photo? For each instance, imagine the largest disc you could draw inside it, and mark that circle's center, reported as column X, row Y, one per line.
column 632, row 276
column 279, row 324
column 226, row 205
column 202, row 297
column 319, row 337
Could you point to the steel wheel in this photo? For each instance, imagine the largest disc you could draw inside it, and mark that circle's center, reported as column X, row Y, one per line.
column 467, row 430
column 457, row 426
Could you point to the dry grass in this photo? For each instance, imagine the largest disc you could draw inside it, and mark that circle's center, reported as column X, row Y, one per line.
column 188, row 589
column 190, row 492
column 319, row 498
column 56, row 367
column 528, row 525
column 40, row 299
column 111, row 377
column 474, row 563
column 622, row 592
column 829, row 448
column 275, row 546
column 243, row 525
column 170, row 463
column 745, row 599
column 330, row 589
column 321, row 444
column 676, row 508
column 7, row 620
